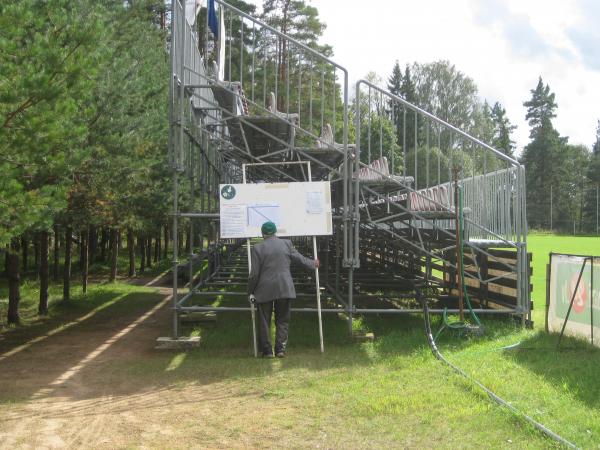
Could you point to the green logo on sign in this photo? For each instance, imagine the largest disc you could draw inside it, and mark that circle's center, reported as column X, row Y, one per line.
column 228, row 192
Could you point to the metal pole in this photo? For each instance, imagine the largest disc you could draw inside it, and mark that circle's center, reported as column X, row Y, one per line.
column 175, row 256
column 252, row 309
column 592, row 301
column 318, row 295
column 550, row 207
column 459, row 267
column 350, row 297
column 178, row 154
column 316, row 256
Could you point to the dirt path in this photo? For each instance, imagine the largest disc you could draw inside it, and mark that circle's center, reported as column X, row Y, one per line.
column 57, row 381
column 77, row 387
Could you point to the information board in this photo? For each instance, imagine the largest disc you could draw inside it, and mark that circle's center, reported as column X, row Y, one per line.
column 298, row 209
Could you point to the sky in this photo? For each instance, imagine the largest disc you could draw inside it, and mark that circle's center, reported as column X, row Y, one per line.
column 503, row 45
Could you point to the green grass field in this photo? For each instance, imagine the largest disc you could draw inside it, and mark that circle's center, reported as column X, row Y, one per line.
column 387, row 393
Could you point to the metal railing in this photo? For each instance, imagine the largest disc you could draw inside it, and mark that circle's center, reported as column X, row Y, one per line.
column 427, row 160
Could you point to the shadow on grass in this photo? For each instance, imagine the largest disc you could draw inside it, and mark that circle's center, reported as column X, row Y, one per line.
column 129, row 366
column 574, row 367
column 33, row 357
column 60, row 313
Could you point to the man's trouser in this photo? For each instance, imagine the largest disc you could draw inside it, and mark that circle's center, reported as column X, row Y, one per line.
column 282, row 325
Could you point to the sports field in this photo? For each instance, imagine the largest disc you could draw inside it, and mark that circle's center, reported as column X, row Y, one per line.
column 89, row 377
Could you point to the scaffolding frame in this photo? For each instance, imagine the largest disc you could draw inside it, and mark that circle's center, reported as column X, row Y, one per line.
column 284, row 103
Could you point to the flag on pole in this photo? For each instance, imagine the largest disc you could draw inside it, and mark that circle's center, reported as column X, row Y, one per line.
column 213, row 22
column 192, row 8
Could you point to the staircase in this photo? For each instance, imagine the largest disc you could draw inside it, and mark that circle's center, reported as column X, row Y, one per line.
column 239, row 100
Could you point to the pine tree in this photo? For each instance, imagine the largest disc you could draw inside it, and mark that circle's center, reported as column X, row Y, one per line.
column 395, row 80
column 300, row 21
column 544, row 159
column 501, row 139
column 408, row 92
column 540, row 109
column 395, row 87
column 592, row 187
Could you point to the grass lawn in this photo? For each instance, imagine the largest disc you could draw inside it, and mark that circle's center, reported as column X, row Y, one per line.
column 386, row 393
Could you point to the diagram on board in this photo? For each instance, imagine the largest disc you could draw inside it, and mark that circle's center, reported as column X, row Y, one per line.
column 261, row 213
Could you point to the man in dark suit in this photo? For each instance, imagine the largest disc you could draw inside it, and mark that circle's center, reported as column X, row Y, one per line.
column 271, row 286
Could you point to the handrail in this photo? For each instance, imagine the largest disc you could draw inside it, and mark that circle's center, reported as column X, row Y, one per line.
column 280, row 34
column 438, row 120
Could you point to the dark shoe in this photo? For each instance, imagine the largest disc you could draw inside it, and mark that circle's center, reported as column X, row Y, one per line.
column 268, row 355
column 280, row 355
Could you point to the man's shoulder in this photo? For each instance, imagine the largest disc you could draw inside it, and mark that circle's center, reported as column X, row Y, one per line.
column 276, row 242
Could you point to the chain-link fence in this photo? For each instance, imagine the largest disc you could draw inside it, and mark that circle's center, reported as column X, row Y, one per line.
column 578, row 215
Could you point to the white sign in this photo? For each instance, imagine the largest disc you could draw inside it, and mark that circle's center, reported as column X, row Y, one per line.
column 297, row 209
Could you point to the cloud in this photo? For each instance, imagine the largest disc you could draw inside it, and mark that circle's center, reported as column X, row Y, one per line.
column 521, row 37
column 585, row 34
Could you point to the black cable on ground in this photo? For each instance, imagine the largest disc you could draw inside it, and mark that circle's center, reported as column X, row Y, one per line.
column 551, row 434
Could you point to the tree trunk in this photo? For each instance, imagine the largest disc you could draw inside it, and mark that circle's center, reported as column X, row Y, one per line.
column 43, row 274
column 156, row 248
column 14, row 282
column 67, row 265
column 131, row 249
column 142, row 246
column 103, row 240
column 25, row 249
column 36, row 253
column 81, row 248
column 179, row 243
column 149, row 252
column 114, row 253
column 92, row 244
column 6, row 260
column 159, row 245
column 56, row 253
column 85, row 258
column 188, row 240
column 166, row 253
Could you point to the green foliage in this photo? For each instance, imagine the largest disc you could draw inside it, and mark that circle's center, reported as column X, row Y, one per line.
column 395, row 80
column 83, row 124
column 444, row 91
column 592, row 187
column 128, row 134
column 552, row 166
column 47, row 66
column 432, row 166
column 296, row 19
column 381, row 141
column 540, row 109
column 501, row 139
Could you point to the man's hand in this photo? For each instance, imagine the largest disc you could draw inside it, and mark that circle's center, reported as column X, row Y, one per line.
column 252, row 299
column 317, row 263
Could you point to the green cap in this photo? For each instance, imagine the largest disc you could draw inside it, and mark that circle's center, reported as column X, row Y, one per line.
column 268, row 228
